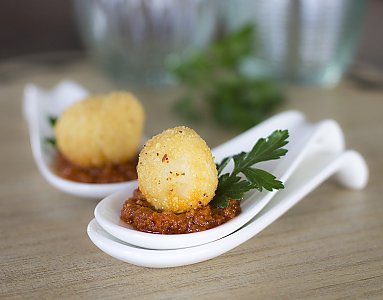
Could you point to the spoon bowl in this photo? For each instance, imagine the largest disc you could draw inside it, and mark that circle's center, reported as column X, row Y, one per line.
column 38, row 105
column 304, row 138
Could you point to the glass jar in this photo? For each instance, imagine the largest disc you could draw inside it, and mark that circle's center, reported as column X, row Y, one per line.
column 131, row 40
column 301, row 41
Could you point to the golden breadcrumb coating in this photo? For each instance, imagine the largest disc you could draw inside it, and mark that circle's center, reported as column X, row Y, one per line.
column 101, row 129
column 176, row 171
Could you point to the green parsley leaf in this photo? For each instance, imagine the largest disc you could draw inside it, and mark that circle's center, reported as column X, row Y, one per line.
column 52, row 120
column 232, row 186
column 50, row 141
column 217, row 88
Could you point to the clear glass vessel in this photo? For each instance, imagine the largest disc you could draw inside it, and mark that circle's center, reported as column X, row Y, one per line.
column 303, row 41
column 133, row 39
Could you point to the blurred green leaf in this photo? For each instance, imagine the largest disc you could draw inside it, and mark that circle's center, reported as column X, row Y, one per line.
column 50, row 141
column 215, row 83
column 52, row 120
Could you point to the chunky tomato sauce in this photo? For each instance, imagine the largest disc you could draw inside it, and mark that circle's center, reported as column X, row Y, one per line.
column 138, row 212
column 107, row 174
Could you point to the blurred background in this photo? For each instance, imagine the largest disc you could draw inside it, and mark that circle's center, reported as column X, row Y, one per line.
column 234, row 59
column 44, row 26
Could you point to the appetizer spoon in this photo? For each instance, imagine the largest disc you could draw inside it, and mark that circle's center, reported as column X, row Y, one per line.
column 305, row 138
column 38, row 105
column 350, row 170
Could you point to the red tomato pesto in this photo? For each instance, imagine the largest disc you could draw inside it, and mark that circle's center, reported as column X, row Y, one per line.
column 106, row 174
column 137, row 212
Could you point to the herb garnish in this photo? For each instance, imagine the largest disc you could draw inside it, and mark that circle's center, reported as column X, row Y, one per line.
column 51, row 140
column 216, row 86
column 232, row 186
column 52, row 120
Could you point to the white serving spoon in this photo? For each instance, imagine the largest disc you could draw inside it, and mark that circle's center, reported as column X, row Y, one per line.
column 38, row 105
column 349, row 167
column 304, row 138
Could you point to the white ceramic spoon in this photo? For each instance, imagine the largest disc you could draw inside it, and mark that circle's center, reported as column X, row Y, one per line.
column 38, row 105
column 349, row 167
column 304, row 138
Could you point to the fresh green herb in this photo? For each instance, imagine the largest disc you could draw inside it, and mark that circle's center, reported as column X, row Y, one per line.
column 51, row 140
column 232, row 186
column 216, row 85
column 52, row 120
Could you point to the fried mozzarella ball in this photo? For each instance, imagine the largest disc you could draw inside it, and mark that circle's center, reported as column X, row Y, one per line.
column 176, row 171
column 101, row 130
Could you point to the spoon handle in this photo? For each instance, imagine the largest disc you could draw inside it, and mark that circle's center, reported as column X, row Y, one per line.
column 349, row 168
column 244, row 141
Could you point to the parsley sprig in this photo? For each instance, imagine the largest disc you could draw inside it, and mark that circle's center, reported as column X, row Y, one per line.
column 233, row 186
column 216, row 87
column 52, row 120
column 51, row 140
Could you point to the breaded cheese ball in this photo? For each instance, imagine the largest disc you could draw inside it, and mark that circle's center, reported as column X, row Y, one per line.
column 176, row 171
column 101, row 130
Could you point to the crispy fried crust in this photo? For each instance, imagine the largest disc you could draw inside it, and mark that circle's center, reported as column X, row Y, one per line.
column 101, row 130
column 176, row 171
